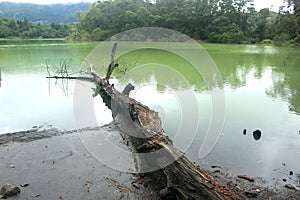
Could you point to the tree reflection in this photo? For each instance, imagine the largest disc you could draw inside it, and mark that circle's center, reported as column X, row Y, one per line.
column 286, row 86
column 284, row 62
column 235, row 63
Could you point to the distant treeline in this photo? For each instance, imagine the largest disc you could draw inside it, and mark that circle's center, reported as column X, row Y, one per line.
column 13, row 28
column 227, row 21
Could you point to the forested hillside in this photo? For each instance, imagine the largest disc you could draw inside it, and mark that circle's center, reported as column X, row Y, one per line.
column 227, row 21
column 45, row 14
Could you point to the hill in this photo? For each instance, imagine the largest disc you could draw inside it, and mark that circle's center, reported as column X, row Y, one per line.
column 46, row 14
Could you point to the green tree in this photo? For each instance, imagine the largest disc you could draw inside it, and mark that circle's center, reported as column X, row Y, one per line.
column 286, row 27
column 222, row 30
column 261, row 28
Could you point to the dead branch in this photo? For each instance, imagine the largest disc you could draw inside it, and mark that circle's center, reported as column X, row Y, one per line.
column 112, row 64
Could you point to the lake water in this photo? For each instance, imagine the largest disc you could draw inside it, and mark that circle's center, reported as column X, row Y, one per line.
column 261, row 87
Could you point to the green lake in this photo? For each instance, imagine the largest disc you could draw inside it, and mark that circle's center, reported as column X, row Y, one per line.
column 260, row 83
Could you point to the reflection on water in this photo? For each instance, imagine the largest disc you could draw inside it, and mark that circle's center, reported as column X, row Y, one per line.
column 27, row 98
column 262, row 89
column 250, row 49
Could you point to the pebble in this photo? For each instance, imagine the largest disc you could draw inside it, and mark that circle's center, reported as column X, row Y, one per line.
column 289, row 186
column 248, row 178
column 257, row 134
column 9, row 190
column 24, row 185
column 216, row 171
column 251, row 194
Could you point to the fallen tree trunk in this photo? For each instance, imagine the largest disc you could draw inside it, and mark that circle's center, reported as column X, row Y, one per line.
column 142, row 126
column 171, row 174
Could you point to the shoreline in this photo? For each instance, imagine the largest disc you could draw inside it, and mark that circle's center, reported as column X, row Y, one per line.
column 56, row 165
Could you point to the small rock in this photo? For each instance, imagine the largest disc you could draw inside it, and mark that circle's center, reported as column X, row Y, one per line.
column 12, row 166
column 216, row 166
column 238, row 187
column 24, row 185
column 245, row 131
column 284, row 180
column 291, row 187
column 9, row 190
column 216, row 171
column 257, row 134
column 251, row 194
column 291, row 173
column 248, row 178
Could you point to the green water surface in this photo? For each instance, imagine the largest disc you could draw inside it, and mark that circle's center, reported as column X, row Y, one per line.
column 260, row 84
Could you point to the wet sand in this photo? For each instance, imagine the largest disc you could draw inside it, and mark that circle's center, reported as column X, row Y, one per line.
column 54, row 164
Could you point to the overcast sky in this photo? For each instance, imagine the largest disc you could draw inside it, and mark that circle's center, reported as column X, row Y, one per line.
column 259, row 4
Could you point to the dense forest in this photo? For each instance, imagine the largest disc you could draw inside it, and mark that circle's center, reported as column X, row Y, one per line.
column 25, row 20
column 227, row 21
column 13, row 28
column 45, row 14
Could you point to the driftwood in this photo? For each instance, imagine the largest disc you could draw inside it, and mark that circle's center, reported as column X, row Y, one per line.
column 181, row 179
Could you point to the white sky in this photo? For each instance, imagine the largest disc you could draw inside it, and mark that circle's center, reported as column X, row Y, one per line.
column 272, row 4
column 48, row 1
column 259, row 4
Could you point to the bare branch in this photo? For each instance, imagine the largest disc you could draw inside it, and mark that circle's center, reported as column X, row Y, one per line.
column 88, row 79
column 112, row 64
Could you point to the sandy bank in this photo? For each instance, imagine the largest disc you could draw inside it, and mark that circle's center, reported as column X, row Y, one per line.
column 55, row 165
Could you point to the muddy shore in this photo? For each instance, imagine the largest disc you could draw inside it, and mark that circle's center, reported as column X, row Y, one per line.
column 50, row 164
